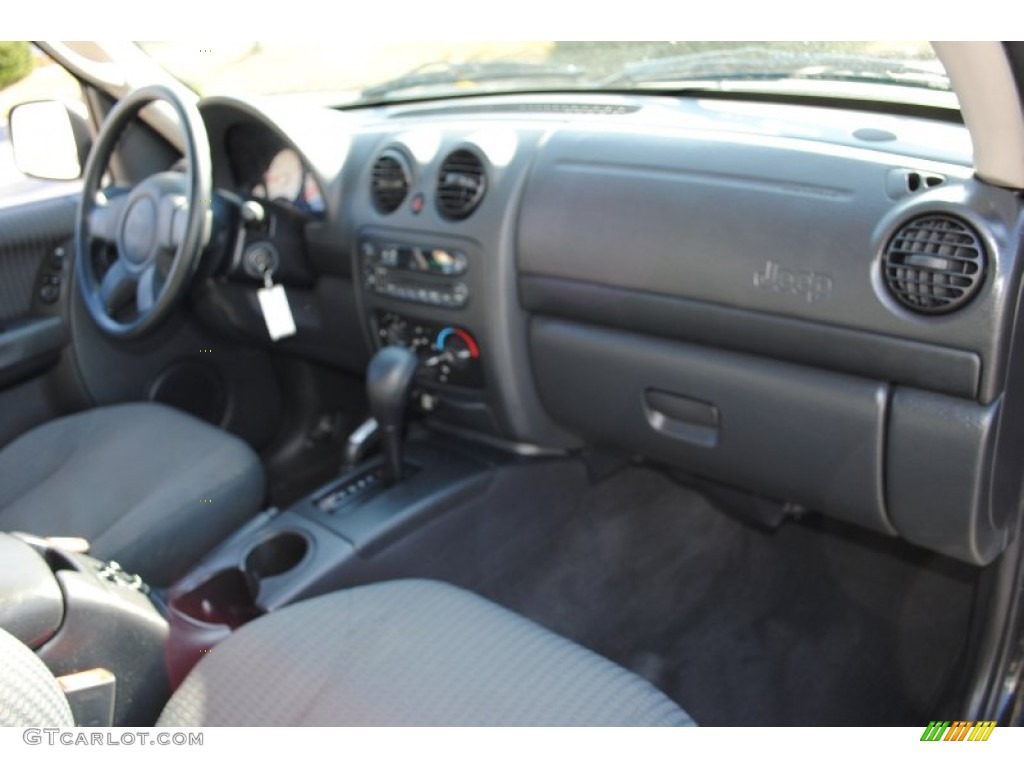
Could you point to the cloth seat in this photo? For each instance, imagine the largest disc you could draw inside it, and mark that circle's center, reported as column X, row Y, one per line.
column 409, row 653
column 150, row 486
column 402, row 653
column 29, row 694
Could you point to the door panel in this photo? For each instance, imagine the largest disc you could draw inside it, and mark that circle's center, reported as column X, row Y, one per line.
column 29, row 235
column 53, row 358
column 34, row 333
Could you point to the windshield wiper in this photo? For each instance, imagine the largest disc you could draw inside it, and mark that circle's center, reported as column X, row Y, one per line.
column 754, row 63
column 472, row 73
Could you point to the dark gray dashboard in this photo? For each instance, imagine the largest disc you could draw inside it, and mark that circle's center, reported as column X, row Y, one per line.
column 814, row 305
column 788, row 228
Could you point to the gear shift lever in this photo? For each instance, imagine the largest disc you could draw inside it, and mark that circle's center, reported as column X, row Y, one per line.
column 388, row 383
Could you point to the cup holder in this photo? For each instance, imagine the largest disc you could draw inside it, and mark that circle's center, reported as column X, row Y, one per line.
column 276, row 555
column 229, row 595
column 224, row 598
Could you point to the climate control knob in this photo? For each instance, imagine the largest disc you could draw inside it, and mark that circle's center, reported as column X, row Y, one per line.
column 457, row 347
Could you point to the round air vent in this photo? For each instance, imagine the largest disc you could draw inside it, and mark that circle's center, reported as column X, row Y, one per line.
column 461, row 184
column 934, row 264
column 389, row 181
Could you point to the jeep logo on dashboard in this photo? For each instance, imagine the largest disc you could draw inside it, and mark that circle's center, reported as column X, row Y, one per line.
column 812, row 286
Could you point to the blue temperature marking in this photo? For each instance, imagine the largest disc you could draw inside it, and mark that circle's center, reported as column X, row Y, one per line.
column 444, row 334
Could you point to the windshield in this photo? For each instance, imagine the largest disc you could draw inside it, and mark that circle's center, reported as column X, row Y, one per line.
column 356, row 72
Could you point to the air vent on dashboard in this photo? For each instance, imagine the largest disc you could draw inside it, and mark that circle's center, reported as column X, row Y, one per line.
column 917, row 180
column 389, row 181
column 461, row 184
column 934, row 264
column 900, row 182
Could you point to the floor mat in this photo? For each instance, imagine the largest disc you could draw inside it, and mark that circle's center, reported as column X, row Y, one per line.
column 814, row 623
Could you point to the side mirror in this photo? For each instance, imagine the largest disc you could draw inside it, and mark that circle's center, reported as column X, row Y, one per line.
column 49, row 140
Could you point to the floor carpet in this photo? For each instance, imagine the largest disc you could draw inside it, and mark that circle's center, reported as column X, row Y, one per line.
column 813, row 623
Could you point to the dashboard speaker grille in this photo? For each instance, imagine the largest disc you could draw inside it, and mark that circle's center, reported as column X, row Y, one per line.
column 934, row 264
column 461, row 183
column 389, row 181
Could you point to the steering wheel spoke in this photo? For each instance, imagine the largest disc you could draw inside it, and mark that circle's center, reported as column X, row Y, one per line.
column 117, row 287
column 148, row 289
column 106, row 213
column 172, row 220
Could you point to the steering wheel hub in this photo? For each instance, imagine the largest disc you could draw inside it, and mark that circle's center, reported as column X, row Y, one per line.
column 138, row 233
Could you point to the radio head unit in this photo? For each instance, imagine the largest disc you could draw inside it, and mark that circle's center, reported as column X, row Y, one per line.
column 414, row 258
column 425, row 274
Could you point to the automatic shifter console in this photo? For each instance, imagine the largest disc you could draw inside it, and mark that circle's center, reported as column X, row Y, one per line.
column 389, row 380
column 363, row 438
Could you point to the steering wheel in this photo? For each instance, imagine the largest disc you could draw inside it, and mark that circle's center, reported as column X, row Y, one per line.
column 158, row 228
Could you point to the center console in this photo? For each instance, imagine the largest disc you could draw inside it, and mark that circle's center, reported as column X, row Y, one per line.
column 310, row 548
column 313, row 546
column 430, row 294
column 399, row 273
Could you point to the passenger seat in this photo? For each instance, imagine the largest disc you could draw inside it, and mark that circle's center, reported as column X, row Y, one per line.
column 400, row 653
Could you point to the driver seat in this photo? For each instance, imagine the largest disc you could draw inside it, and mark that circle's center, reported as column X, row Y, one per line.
column 149, row 486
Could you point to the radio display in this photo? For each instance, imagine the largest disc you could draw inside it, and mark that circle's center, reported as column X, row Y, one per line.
column 414, row 258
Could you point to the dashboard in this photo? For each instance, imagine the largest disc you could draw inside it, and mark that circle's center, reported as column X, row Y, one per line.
column 811, row 304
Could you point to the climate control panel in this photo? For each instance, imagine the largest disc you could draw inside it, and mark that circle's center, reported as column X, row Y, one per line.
column 448, row 354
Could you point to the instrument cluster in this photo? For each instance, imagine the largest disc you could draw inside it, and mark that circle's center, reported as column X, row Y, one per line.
column 266, row 169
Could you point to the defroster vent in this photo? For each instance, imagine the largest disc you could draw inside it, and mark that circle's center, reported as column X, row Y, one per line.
column 934, row 264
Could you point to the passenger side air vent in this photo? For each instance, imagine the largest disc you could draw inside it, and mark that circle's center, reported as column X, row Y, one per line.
column 461, row 184
column 901, row 182
column 389, row 181
column 917, row 181
column 934, row 264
